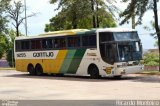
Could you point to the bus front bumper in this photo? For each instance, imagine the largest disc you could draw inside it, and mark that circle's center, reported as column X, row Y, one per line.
column 128, row 70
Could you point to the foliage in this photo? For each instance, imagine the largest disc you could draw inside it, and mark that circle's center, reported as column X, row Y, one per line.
column 10, row 38
column 77, row 14
column 3, row 19
column 7, row 44
column 3, row 44
column 10, row 57
column 138, row 8
column 15, row 12
column 156, row 44
column 151, row 59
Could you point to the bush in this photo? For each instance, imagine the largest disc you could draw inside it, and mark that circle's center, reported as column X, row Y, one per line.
column 151, row 59
column 11, row 62
column 1, row 52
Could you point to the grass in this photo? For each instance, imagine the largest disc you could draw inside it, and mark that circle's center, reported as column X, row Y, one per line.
column 151, row 72
column 7, row 68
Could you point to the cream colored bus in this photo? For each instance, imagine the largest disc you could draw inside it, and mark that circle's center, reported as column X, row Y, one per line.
column 98, row 52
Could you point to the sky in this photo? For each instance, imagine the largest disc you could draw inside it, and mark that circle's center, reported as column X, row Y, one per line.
column 46, row 11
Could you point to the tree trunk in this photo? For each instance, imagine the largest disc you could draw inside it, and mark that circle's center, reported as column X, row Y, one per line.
column 17, row 31
column 74, row 20
column 97, row 15
column 133, row 21
column 93, row 12
column 156, row 26
column 159, row 49
column 133, row 16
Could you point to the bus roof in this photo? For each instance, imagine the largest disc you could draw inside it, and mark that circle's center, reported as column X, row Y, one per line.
column 115, row 30
column 55, row 33
column 66, row 32
column 76, row 32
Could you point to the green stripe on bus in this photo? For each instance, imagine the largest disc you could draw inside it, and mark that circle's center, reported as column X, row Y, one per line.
column 76, row 61
column 67, row 61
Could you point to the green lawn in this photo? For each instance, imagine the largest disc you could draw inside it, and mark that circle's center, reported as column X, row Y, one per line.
column 7, row 68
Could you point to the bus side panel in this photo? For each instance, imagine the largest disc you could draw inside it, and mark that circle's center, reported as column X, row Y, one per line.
column 22, row 64
column 76, row 61
column 67, row 61
column 54, row 65
column 91, row 57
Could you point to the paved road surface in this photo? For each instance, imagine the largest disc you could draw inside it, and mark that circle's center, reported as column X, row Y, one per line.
column 17, row 85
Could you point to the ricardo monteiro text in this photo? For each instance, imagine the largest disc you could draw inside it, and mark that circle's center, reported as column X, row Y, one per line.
column 43, row 54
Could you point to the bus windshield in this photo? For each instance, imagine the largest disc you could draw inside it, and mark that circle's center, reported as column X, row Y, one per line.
column 122, row 36
column 120, row 46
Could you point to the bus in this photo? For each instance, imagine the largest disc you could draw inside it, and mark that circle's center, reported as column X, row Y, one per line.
column 98, row 52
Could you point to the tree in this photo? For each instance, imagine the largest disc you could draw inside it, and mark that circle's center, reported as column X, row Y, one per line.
column 10, row 49
column 77, row 14
column 151, row 59
column 3, row 25
column 3, row 19
column 140, row 7
column 3, row 44
column 156, row 44
column 10, row 46
column 15, row 12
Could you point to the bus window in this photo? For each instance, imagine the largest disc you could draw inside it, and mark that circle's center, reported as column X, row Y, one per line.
column 89, row 41
column 85, row 41
column 25, row 45
column 106, row 36
column 18, row 45
column 60, row 43
column 36, row 44
column 73, row 41
column 92, row 40
column 108, row 52
column 47, row 43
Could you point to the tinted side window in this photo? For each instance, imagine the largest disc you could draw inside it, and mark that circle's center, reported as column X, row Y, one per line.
column 47, row 43
column 85, row 41
column 36, row 44
column 106, row 36
column 89, row 40
column 25, row 45
column 60, row 43
column 18, row 45
column 73, row 41
column 92, row 40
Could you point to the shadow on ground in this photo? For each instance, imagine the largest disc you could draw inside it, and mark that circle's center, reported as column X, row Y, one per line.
column 133, row 77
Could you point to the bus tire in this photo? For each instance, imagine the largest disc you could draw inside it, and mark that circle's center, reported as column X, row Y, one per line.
column 39, row 70
column 93, row 71
column 31, row 69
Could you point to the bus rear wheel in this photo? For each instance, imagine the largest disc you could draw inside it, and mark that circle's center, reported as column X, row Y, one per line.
column 31, row 69
column 39, row 70
column 94, row 72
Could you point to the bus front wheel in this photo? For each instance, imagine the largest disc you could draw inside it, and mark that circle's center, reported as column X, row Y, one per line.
column 39, row 70
column 93, row 71
column 31, row 69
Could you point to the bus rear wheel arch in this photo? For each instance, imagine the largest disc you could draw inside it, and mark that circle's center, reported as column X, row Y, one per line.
column 93, row 71
column 31, row 69
column 39, row 70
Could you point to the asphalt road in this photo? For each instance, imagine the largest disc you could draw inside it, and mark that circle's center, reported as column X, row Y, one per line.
column 20, row 86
